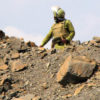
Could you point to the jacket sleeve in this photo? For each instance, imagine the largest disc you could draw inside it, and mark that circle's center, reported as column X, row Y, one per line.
column 47, row 38
column 70, row 29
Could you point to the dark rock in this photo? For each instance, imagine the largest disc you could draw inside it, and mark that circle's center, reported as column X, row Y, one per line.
column 53, row 51
column 13, row 94
column 43, row 55
column 2, row 34
column 31, row 44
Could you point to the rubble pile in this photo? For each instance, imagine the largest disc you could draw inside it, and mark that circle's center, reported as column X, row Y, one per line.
column 28, row 72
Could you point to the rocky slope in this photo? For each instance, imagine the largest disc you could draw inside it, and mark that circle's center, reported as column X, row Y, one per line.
column 28, row 72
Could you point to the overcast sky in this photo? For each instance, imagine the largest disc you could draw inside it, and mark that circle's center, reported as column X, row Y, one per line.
column 32, row 19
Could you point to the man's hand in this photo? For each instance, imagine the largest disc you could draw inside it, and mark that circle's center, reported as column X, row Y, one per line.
column 64, row 41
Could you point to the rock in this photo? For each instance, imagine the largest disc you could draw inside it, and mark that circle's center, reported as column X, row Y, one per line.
column 47, row 65
column 86, row 43
column 17, row 99
column 97, row 45
column 5, row 83
column 18, row 66
column 2, row 34
column 22, row 39
column 67, row 96
column 78, row 90
column 53, row 51
column 3, row 67
column 75, row 43
column 1, row 62
column 93, row 42
column 14, row 43
column 79, row 48
column 26, row 97
column 41, row 49
column 75, row 69
column 69, row 48
column 91, row 84
column 97, row 39
column 15, row 55
column 45, row 85
column 13, row 94
column 36, row 98
column 24, row 48
column 43, row 55
column 97, row 76
column 31, row 44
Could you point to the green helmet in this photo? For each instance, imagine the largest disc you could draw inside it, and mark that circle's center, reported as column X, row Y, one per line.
column 58, row 12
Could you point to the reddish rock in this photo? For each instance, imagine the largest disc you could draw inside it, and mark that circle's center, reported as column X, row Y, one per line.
column 17, row 66
column 75, row 69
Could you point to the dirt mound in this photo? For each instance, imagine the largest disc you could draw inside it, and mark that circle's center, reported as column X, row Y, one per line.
column 27, row 71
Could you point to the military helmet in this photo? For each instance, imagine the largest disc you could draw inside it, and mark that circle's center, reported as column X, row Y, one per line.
column 58, row 12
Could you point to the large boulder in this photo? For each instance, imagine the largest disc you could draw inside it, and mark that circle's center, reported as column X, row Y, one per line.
column 75, row 69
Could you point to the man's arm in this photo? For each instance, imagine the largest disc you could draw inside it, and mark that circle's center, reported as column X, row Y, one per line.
column 70, row 29
column 47, row 38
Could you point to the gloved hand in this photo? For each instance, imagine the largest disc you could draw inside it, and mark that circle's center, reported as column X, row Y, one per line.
column 65, row 41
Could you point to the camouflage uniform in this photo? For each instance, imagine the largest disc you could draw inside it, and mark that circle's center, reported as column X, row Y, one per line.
column 63, row 29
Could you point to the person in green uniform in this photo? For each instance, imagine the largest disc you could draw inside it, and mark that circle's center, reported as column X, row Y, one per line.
column 62, row 31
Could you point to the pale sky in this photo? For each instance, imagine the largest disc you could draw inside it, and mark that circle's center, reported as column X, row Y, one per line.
column 32, row 19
